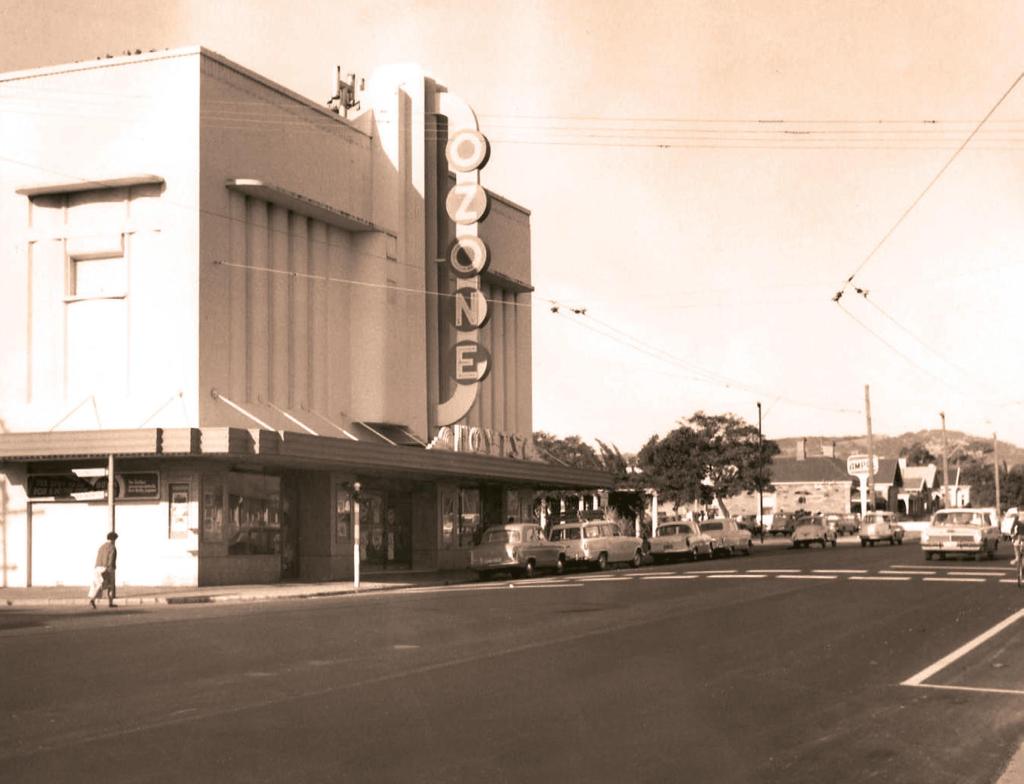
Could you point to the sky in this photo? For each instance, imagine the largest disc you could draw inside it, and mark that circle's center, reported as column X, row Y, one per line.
column 703, row 178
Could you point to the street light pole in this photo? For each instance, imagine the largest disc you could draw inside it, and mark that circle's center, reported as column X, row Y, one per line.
column 760, row 475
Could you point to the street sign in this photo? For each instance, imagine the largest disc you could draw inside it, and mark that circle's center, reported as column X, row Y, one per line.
column 857, row 465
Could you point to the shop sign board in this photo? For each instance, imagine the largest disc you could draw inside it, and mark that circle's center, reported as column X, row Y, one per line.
column 466, row 205
column 483, row 441
column 858, row 464
column 135, row 485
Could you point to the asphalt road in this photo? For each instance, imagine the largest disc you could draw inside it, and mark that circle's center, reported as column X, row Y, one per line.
column 773, row 668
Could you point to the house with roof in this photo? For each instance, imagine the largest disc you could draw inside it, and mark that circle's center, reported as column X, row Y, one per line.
column 812, row 484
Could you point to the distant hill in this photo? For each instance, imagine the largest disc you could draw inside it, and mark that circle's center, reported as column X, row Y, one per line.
column 960, row 446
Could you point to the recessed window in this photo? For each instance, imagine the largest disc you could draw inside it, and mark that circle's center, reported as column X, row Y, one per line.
column 95, row 278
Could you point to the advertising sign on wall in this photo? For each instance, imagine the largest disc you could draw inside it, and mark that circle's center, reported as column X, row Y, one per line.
column 137, row 486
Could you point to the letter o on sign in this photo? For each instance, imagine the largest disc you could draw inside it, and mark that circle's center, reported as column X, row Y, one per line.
column 470, row 362
column 467, row 150
column 468, row 256
column 466, row 203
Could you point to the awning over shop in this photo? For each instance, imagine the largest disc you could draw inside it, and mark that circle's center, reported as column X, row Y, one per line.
column 271, row 448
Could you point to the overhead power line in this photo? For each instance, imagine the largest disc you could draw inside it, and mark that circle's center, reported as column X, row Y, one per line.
column 928, row 187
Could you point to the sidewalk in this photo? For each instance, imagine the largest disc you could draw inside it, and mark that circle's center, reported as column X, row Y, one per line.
column 134, row 595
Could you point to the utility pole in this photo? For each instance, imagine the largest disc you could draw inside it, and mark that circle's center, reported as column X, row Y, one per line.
column 945, row 464
column 760, row 475
column 871, row 451
column 995, row 465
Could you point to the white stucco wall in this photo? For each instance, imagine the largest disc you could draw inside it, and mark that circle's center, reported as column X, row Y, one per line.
column 100, row 120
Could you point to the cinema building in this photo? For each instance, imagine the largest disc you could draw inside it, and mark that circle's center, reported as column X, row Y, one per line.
column 280, row 323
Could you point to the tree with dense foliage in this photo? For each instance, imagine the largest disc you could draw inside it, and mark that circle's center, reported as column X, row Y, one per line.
column 572, row 451
column 918, row 455
column 708, row 456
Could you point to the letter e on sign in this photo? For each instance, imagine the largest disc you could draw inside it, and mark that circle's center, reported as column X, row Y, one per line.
column 470, row 362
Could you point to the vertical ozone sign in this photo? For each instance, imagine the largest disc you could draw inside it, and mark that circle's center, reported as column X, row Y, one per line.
column 467, row 361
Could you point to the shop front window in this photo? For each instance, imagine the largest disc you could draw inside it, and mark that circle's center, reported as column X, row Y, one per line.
column 449, row 515
column 254, row 524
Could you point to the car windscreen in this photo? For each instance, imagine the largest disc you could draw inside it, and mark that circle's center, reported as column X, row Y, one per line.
column 960, row 518
column 564, row 534
column 501, row 536
column 711, row 527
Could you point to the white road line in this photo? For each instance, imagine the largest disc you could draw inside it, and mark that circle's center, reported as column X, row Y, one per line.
column 995, row 569
column 984, row 689
column 902, row 571
column 840, row 571
column 1009, row 580
column 865, row 577
column 974, row 574
column 807, row 577
column 713, row 571
column 773, row 571
column 545, row 585
column 657, row 574
column 953, row 579
column 963, row 650
column 736, row 576
column 670, row 577
column 603, row 579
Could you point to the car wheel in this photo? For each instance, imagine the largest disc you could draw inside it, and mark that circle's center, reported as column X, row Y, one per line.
column 892, row 540
column 928, row 556
column 992, row 552
column 834, row 542
column 602, row 562
column 530, row 569
column 863, row 542
column 638, row 559
column 560, row 566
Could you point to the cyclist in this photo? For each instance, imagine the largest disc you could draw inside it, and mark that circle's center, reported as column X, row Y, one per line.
column 1017, row 537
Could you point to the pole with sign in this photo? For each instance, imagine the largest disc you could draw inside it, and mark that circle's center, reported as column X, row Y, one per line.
column 857, row 465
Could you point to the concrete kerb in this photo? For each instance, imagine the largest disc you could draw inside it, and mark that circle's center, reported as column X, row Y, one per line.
column 237, row 594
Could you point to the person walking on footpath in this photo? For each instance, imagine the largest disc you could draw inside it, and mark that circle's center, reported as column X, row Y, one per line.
column 103, row 574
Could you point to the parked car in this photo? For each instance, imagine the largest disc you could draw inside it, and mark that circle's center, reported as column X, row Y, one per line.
column 880, row 527
column 727, row 537
column 598, row 543
column 813, row 530
column 968, row 531
column 678, row 540
column 782, row 524
column 519, row 548
column 749, row 523
column 842, row 524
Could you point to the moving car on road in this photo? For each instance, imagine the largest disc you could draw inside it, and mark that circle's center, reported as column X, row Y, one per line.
column 880, row 527
column 813, row 530
column 727, row 537
column 519, row 548
column 598, row 543
column 963, row 531
column 679, row 540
